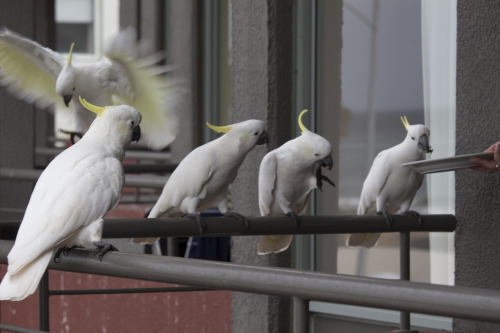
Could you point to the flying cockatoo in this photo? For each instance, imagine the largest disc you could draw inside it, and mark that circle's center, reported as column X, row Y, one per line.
column 389, row 186
column 71, row 197
column 287, row 176
column 41, row 76
column 202, row 178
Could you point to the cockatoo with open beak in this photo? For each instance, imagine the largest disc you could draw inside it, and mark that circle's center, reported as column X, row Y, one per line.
column 38, row 75
column 202, row 178
column 389, row 186
column 70, row 199
column 287, row 177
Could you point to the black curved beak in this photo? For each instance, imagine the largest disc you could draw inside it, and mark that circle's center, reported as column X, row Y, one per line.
column 67, row 99
column 263, row 138
column 423, row 144
column 136, row 134
column 327, row 162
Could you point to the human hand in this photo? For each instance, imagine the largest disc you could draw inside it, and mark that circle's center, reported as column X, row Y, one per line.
column 489, row 166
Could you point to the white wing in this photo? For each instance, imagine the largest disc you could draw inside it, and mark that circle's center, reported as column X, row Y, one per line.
column 267, row 181
column 187, row 184
column 28, row 70
column 142, row 84
column 74, row 191
column 374, row 183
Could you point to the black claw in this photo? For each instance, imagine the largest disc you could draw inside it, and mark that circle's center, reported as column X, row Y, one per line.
column 201, row 225
column 242, row 219
column 58, row 253
column 102, row 248
column 63, row 250
column 414, row 214
column 295, row 218
column 387, row 217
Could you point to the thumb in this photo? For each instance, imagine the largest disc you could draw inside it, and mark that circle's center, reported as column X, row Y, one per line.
column 496, row 154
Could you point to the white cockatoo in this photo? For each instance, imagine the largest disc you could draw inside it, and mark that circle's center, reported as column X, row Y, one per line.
column 70, row 199
column 287, row 176
column 389, row 186
column 202, row 178
column 38, row 75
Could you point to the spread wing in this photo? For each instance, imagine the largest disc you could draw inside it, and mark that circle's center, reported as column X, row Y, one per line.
column 142, row 84
column 267, row 182
column 28, row 70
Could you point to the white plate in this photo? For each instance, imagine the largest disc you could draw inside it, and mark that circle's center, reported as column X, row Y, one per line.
column 448, row 164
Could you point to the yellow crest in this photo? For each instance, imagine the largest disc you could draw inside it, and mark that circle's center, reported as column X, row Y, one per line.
column 405, row 122
column 96, row 109
column 301, row 124
column 219, row 129
column 70, row 56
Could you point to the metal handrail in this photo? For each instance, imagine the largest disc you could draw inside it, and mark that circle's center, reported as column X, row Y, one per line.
column 229, row 226
column 451, row 301
column 262, row 225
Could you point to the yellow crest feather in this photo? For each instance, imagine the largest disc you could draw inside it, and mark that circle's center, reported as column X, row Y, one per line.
column 219, row 129
column 405, row 122
column 94, row 108
column 301, row 124
column 70, row 56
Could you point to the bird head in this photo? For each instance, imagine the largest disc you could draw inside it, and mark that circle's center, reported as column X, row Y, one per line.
column 66, row 81
column 418, row 134
column 247, row 133
column 315, row 148
column 120, row 121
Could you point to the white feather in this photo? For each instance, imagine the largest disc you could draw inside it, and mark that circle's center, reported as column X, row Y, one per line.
column 203, row 177
column 388, row 185
column 287, row 176
column 70, row 199
column 39, row 75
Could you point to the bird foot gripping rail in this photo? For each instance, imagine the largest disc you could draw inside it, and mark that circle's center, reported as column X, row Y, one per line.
column 401, row 295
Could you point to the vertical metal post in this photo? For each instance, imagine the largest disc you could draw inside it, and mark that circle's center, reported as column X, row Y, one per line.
column 300, row 315
column 404, row 262
column 43, row 303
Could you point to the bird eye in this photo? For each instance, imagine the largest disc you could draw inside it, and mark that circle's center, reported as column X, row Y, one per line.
column 132, row 123
column 316, row 154
column 412, row 138
column 256, row 133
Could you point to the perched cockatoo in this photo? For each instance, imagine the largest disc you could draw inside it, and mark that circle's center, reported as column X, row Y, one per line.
column 287, row 176
column 71, row 197
column 389, row 186
column 202, row 178
column 41, row 76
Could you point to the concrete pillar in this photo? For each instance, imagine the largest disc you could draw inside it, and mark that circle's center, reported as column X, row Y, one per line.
column 261, row 89
column 477, row 237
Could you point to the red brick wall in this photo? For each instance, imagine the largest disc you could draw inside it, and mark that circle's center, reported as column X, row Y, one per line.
column 204, row 311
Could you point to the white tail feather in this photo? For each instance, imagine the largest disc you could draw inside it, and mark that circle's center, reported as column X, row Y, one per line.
column 273, row 244
column 366, row 240
column 24, row 283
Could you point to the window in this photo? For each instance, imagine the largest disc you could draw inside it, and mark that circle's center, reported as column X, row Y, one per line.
column 397, row 59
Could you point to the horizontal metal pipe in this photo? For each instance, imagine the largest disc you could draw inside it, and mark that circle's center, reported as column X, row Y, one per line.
column 149, row 168
column 126, row 291
column 129, row 153
column 130, row 180
column 449, row 301
column 17, row 329
column 263, row 225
